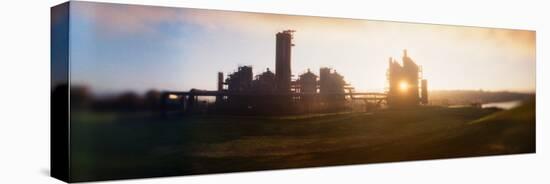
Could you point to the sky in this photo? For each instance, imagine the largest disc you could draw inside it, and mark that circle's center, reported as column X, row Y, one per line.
column 117, row 48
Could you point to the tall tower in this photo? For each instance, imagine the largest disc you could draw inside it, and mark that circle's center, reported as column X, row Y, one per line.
column 410, row 76
column 403, row 83
column 282, row 60
column 219, row 97
column 424, row 92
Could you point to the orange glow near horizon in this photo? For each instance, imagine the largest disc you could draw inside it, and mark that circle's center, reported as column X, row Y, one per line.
column 173, row 97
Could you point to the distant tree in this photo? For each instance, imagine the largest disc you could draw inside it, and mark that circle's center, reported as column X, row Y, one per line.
column 128, row 101
column 152, row 99
column 80, row 97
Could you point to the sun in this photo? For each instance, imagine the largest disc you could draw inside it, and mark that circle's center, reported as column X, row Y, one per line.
column 404, row 86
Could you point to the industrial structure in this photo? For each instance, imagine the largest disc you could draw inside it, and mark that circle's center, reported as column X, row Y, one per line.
column 277, row 93
column 406, row 86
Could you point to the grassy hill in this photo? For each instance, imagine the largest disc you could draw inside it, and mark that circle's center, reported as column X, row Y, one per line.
column 504, row 132
column 111, row 146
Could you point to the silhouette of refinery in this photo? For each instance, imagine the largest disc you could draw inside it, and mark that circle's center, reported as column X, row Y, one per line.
column 277, row 93
column 404, row 83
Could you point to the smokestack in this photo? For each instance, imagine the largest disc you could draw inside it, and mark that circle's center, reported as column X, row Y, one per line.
column 283, row 60
column 219, row 97
column 424, row 92
column 220, row 81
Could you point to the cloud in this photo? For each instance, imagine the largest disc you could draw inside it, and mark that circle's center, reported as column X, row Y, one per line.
column 128, row 19
column 125, row 19
column 119, row 18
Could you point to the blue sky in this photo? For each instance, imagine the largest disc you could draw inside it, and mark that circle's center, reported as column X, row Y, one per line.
column 117, row 48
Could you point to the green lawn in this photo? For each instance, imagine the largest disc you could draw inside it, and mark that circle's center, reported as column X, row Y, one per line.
column 111, row 146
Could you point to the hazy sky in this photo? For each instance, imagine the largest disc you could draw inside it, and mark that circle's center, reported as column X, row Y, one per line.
column 116, row 48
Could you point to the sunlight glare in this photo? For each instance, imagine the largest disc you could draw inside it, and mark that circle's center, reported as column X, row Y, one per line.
column 404, row 86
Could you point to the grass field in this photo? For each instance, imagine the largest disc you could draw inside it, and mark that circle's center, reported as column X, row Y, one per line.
column 109, row 146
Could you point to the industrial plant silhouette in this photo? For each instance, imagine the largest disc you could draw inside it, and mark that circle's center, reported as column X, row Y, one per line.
column 277, row 93
column 137, row 91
